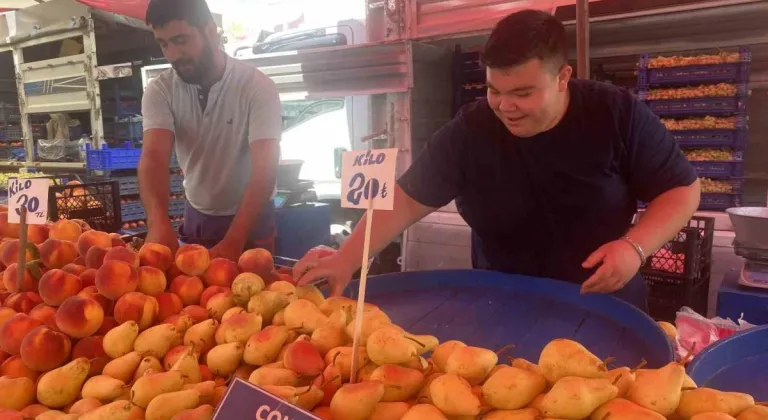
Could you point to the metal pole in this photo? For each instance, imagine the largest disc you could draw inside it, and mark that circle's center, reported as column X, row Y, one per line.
column 582, row 39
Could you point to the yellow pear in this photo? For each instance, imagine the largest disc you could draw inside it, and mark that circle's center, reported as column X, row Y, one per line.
column 245, row 286
column 441, row 353
column 224, row 359
column 372, row 321
column 668, row 329
column 267, row 303
column 156, row 341
column 123, row 367
column 206, row 389
column 264, row 346
column 189, row 367
column 388, row 345
column 425, row 395
column 283, row 287
column 202, row 335
column 303, row 316
column 342, row 358
column 712, row 416
column 424, row 412
column 61, row 387
column 419, row 363
column 339, row 319
column 621, row 409
column 238, row 328
column 149, row 363
column 356, row 401
column 118, row 410
column 328, row 337
column 119, row 340
column 658, row 390
column 102, row 387
column 312, row 294
column 165, row 406
column 365, row 372
column 273, row 376
column 279, row 318
column 536, row 403
column 511, row 388
column 182, row 324
column 758, row 412
column 52, row 415
column 423, row 343
column 232, row 312
column 307, row 397
column 453, row 395
column 335, row 303
column 471, row 363
column 16, row 393
column 400, row 384
column 623, row 378
column 149, row 386
column 389, row 411
column 563, row 357
column 688, row 382
column 707, row 400
column 219, row 304
column 524, row 414
column 284, row 392
column 574, row 397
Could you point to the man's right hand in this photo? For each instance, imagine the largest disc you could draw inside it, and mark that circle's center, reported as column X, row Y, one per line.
column 164, row 234
column 313, row 267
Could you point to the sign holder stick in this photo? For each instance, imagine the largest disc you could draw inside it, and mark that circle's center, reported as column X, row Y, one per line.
column 22, row 247
column 361, row 294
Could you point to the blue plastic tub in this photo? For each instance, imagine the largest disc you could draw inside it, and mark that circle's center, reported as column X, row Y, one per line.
column 733, row 139
column 491, row 310
column 736, row 364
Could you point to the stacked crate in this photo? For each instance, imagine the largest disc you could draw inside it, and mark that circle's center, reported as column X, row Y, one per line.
column 468, row 78
column 703, row 101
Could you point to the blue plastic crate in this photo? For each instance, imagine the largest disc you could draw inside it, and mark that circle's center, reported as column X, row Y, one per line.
column 699, row 106
column 722, row 201
column 698, row 74
column 132, row 211
column 721, row 169
column 176, row 207
column 106, row 159
column 734, row 139
column 10, row 132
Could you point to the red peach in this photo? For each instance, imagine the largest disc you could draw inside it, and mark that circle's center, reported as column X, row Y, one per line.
column 23, row 301
column 95, row 257
column 152, row 281
column 116, row 278
column 156, row 255
column 11, row 282
column 74, row 269
column 14, row 367
column 93, row 238
column 91, row 292
column 44, row 349
column 88, row 277
column 189, row 289
column 109, row 323
column 196, row 312
column 6, row 314
column 210, row 291
column 37, row 234
column 9, row 230
column 221, row 272
column 57, row 254
column 193, row 259
column 138, row 307
column 56, row 286
column 173, row 271
column 13, row 331
column 65, row 230
column 169, row 303
column 123, row 254
column 89, row 347
column 79, row 317
column 80, row 261
column 117, row 241
column 257, row 261
column 45, row 314
column 3, row 294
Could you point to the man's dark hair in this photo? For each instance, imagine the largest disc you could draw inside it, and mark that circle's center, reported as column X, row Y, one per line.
column 195, row 12
column 526, row 35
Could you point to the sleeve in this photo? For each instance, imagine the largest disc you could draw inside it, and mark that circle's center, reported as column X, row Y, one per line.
column 656, row 163
column 264, row 111
column 437, row 176
column 156, row 108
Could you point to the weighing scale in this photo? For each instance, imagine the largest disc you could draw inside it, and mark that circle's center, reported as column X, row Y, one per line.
column 750, row 224
column 302, row 192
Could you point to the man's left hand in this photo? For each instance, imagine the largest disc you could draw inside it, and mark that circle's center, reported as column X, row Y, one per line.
column 618, row 262
column 228, row 248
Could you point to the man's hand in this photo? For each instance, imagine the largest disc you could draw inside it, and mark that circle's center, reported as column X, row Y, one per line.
column 165, row 235
column 620, row 263
column 229, row 248
column 314, row 267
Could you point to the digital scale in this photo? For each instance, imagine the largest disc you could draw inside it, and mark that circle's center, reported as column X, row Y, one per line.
column 750, row 224
column 302, row 192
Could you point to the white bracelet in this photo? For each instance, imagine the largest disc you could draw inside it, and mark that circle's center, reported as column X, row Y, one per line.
column 637, row 247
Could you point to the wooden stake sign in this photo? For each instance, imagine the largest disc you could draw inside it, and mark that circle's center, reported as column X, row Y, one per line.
column 27, row 204
column 368, row 181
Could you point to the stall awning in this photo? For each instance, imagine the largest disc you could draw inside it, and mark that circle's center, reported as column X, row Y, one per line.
column 132, row 8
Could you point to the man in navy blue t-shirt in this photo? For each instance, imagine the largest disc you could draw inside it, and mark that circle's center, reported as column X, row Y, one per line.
column 547, row 171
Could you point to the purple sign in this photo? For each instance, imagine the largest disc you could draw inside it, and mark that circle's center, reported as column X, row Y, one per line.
column 245, row 401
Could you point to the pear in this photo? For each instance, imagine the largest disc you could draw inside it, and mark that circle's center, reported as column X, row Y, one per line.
column 524, row 414
column 304, row 316
column 263, row 347
column 425, row 395
column 218, row 304
column 712, row 416
column 688, row 382
column 149, row 386
column 339, row 319
column 189, row 367
column 245, row 286
column 204, row 412
column 202, row 335
column 658, row 389
column 279, row 318
column 389, row 410
column 16, row 393
column 621, row 409
column 328, row 337
column 441, row 353
column 267, row 303
column 273, row 376
column 471, row 363
column 312, row 294
column 149, row 363
column 102, row 387
column 303, row 358
column 574, row 397
column 307, row 397
column 283, row 287
column 424, row 412
column 206, row 389
column 453, row 395
column 707, row 400
column 183, row 322
column 165, row 406
column 356, row 401
column 123, row 367
column 334, row 303
column 329, row 382
column 156, row 341
column 60, row 387
column 372, row 321
column 232, row 312
column 118, row 410
column 224, row 359
column 512, row 388
column 238, row 328
column 53, row 415
column 563, row 357
column 344, row 359
column 365, row 372
column 119, row 340
column 419, row 363
column 400, row 384
column 758, row 412
column 388, row 345
column 668, row 329
column 285, row 393
column 623, row 378
column 424, row 343
column 536, row 403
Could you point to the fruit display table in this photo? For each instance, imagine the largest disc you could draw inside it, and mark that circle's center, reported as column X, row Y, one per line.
column 734, row 364
column 492, row 310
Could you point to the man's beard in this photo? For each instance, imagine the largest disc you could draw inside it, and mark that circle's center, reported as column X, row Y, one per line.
column 200, row 69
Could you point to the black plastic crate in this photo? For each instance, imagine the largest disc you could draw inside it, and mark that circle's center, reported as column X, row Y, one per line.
column 98, row 203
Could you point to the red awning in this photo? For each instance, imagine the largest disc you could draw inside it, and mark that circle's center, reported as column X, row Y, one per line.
column 133, row 8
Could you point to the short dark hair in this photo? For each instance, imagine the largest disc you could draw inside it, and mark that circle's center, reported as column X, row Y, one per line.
column 526, row 35
column 195, row 12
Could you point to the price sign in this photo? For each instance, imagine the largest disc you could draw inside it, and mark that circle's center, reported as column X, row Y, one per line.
column 244, row 400
column 31, row 194
column 368, row 179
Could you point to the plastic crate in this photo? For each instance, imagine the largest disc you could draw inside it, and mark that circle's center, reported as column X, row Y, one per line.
column 129, row 185
column 10, row 133
column 132, row 212
column 99, row 206
column 699, row 74
column 722, row 201
column 678, row 274
column 699, row 106
column 106, row 159
column 12, row 153
column 734, row 139
column 721, row 169
column 124, row 131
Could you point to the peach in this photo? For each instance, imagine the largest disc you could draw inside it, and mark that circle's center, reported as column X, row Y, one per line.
column 80, row 261
column 173, row 272
column 109, row 323
column 257, row 261
column 11, row 253
column 3, row 294
column 23, row 301
column 210, row 292
column 45, row 314
column 3, row 356
column 44, row 349
column 91, row 292
column 7, row 229
column 32, row 411
column 93, row 238
column 193, row 259
column 182, row 322
column 6, row 314
column 15, row 367
column 74, row 269
column 83, row 406
column 138, row 307
column 169, row 304
column 97, row 366
column 287, row 278
column 65, row 230
column 188, row 288
column 117, row 241
column 56, row 286
column 57, row 254
column 123, row 254
column 89, row 347
column 116, row 278
column 94, row 258
column 221, row 272
column 88, row 277
column 12, row 332
column 11, row 282
column 152, row 281
column 37, row 234
column 79, row 317
column 196, row 312
column 156, row 255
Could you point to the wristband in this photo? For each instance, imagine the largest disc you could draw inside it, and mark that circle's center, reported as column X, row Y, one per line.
column 637, row 247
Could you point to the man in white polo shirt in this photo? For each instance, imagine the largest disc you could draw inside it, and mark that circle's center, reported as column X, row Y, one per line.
column 224, row 118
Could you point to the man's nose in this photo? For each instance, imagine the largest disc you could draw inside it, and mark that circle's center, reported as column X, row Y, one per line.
column 172, row 53
column 507, row 104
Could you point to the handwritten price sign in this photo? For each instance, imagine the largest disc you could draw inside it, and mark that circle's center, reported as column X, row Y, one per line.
column 31, row 194
column 368, row 178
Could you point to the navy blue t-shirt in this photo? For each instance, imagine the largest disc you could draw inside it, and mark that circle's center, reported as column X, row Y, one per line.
column 540, row 206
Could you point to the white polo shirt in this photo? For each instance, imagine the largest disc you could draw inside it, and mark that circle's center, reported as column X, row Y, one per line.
column 212, row 145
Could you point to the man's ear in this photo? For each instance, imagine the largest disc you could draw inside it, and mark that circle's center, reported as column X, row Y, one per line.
column 212, row 33
column 563, row 77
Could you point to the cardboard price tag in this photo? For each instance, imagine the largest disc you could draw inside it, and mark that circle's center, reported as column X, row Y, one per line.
column 244, row 400
column 31, row 194
column 368, row 179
